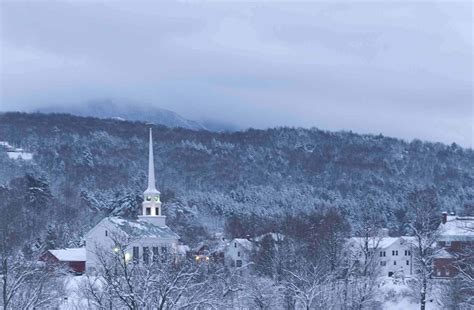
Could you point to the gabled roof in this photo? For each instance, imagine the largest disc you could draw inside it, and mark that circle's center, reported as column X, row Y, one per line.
column 457, row 228
column 140, row 228
column 245, row 243
column 380, row 242
column 70, row 255
column 442, row 253
column 275, row 236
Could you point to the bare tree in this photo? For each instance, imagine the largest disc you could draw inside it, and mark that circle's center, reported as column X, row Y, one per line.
column 27, row 285
column 423, row 224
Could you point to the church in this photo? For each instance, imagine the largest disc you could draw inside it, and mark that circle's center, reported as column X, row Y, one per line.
column 145, row 239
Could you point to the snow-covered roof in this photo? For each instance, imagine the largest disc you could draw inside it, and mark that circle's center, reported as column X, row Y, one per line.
column 457, row 228
column 141, row 228
column 245, row 243
column 182, row 249
column 442, row 253
column 274, row 236
column 380, row 242
column 70, row 254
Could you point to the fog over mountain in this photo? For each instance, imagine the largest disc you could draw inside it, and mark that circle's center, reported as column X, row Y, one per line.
column 399, row 68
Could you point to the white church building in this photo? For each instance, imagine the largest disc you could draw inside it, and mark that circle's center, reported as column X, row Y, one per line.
column 146, row 239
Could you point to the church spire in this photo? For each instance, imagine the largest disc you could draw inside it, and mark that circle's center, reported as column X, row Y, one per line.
column 151, row 168
column 151, row 207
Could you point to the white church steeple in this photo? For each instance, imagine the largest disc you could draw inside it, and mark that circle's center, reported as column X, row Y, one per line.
column 151, row 189
column 151, row 209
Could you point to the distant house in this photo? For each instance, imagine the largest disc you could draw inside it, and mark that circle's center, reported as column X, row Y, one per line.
column 394, row 255
column 455, row 242
column 238, row 251
column 15, row 153
column 72, row 258
column 210, row 251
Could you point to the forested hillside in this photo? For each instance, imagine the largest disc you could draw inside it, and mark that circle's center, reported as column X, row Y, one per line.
column 84, row 168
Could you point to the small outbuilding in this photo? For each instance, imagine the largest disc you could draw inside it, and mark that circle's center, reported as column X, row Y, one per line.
column 72, row 258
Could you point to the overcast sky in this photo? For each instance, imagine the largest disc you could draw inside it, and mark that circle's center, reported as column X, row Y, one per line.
column 403, row 69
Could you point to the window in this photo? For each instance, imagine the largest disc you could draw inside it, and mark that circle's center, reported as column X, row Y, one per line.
column 382, row 263
column 239, row 263
column 106, row 233
column 148, row 198
column 235, row 244
column 148, row 211
column 438, row 273
column 238, row 254
column 135, row 254
column 382, row 253
column 395, row 253
column 156, row 254
column 407, row 253
column 408, row 262
column 146, row 255
column 394, row 262
column 164, row 249
column 447, row 243
column 447, row 272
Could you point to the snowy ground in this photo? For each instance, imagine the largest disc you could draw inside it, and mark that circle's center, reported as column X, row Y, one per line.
column 73, row 299
column 394, row 295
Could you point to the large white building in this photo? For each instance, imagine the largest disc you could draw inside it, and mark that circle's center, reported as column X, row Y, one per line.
column 394, row 255
column 145, row 239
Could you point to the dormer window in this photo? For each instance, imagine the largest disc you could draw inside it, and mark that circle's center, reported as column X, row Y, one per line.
column 148, row 198
column 157, row 198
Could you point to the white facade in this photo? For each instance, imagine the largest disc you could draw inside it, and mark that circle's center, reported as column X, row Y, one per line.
column 394, row 255
column 144, row 240
column 237, row 252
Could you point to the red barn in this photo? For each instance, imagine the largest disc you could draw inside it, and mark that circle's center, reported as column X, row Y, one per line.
column 73, row 258
column 455, row 244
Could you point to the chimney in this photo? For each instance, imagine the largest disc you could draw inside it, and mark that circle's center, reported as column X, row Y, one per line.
column 444, row 217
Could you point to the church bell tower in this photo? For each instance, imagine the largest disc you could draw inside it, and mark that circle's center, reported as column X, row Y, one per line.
column 151, row 208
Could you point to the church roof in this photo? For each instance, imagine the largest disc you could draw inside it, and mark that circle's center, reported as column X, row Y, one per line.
column 141, row 228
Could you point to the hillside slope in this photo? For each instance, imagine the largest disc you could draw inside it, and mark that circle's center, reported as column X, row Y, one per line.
column 96, row 164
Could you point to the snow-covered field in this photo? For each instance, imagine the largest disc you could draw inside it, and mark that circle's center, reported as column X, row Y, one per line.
column 393, row 295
